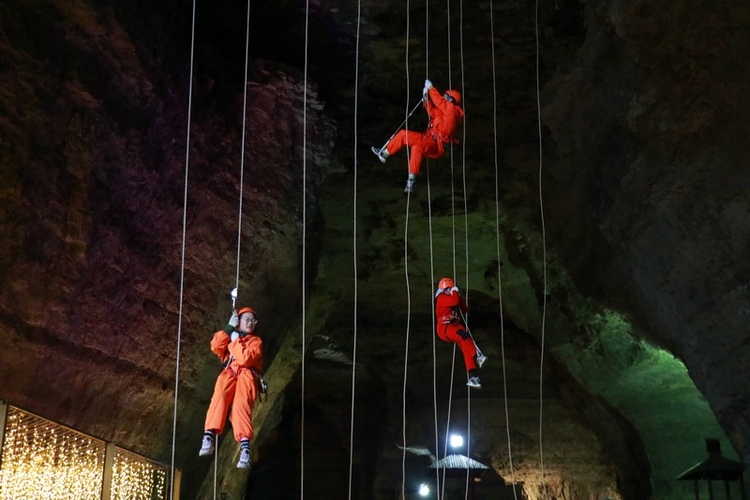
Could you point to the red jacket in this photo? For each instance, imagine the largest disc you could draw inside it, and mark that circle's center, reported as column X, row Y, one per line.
column 445, row 116
column 447, row 307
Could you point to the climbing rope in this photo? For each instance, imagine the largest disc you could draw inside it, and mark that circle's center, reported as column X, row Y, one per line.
column 406, row 273
column 432, row 260
column 239, row 209
column 448, row 416
column 544, row 250
column 242, row 148
column 454, row 242
column 439, row 480
column 499, row 267
column 182, row 259
column 406, row 349
column 453, row 188
column 466, row 226
column 463, row 150
column 354, row 250
column 304, row 255
column 453, row 254
column 434, row 324
column 216, row 465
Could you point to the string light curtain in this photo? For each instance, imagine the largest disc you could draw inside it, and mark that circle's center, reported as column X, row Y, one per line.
column 46, row 461
column 135, row 477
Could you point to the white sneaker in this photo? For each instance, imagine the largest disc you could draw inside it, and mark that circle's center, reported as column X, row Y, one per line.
column 382, row 154
column 409, row 186
column 244, row 461
column 474, row 382
column 480, row 360
column 207, row 446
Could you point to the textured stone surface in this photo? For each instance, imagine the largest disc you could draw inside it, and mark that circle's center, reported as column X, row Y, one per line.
column 643, row 108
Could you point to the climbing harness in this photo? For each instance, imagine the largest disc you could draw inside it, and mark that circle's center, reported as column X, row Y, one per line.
column 260, row 384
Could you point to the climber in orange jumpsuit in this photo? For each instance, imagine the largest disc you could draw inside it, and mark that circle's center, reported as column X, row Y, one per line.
column 237, row 386
column 445, row 115
column 450, row 309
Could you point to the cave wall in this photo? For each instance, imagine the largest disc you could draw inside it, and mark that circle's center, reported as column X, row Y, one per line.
column 655, row 195
column 93, row 300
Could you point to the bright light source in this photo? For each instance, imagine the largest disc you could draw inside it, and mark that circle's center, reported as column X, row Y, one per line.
column 424, row 490
column 456, row 441
column 42, row 459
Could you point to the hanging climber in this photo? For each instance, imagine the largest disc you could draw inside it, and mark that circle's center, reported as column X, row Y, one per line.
column 445, row 115
column 238, row 384
column 450, row 309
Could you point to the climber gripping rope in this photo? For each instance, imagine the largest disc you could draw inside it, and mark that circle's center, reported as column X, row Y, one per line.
column 451, row 327
column 445, row 115
column 238, row 384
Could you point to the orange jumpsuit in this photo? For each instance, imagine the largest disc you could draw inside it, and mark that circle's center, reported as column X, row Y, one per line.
column 450, row 327
column 236, row 384
column 445, row 117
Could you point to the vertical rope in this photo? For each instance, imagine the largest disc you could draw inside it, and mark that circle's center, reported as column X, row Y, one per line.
column 304, row 255
column 427, row 38
column 434, row 324
column 354, row 250
column 453, row 188
column 182, row 257
column 454, row 251
column 406, row 273
column 497, row 245
column 216, row 464
column 466, row 220
column 463, row 148
column 242, row 148
column 468, row 440
column 406, row 349
column 448, row 416
column 432, row 260
column 544, row 251
column 453, row 210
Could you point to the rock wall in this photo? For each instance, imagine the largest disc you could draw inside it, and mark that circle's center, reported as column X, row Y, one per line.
column 93, row 300
column 653, row 191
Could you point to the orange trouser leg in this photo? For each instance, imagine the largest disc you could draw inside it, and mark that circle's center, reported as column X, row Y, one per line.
column 421, row 146
column 242, row 409
column 224, row 389
column 401, row 139
column 458, row 334
column 426, row 148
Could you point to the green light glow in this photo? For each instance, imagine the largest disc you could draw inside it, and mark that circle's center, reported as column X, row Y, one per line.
column 652, row 389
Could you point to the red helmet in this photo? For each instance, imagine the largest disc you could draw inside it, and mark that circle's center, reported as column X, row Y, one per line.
column 455, row 95
column 247, row 310
column 446, row 283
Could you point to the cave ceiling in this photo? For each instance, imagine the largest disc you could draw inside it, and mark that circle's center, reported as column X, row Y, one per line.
column 595, row 214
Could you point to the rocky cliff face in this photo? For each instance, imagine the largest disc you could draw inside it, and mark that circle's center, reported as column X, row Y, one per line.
column 615, row 325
